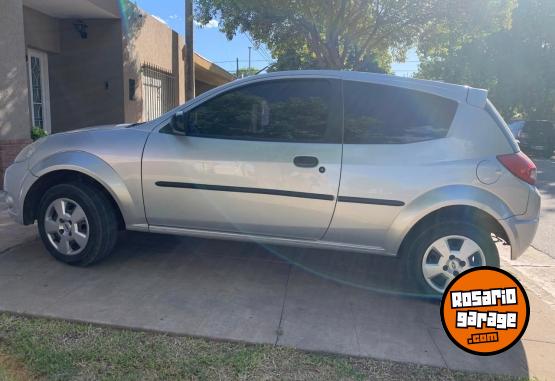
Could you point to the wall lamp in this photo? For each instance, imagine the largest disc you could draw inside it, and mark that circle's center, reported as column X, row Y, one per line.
column 81, row 28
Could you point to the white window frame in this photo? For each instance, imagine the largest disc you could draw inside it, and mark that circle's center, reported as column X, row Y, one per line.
column 43, row 57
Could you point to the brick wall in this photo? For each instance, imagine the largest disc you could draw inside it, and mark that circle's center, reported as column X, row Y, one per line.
column 8, row 151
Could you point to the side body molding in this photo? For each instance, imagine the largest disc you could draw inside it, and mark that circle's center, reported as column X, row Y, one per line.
column 453, row 195
column 129, row 200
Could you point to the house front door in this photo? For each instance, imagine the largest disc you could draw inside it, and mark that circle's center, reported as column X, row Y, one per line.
column 39, row 92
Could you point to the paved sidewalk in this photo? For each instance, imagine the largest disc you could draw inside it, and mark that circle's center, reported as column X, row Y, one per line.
column 322, row 301
column 535, row 270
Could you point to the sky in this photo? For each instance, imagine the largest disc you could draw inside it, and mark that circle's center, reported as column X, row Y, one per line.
column 213, row 44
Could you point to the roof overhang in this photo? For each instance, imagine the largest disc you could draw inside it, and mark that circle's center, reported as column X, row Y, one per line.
column 210, row 73
column 84, row 9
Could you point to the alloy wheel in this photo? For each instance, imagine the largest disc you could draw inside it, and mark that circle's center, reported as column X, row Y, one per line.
column 66, row 226
column 449, row 256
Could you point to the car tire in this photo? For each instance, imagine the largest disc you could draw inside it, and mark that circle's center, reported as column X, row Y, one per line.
column 450, row 238
column 86, row 219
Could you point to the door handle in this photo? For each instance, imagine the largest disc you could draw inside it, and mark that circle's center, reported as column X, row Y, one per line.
column 306, row 161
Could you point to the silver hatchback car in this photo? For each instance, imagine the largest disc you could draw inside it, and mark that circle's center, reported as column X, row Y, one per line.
column 422, row 170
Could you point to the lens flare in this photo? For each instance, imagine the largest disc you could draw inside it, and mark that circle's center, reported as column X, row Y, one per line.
column 123, row 9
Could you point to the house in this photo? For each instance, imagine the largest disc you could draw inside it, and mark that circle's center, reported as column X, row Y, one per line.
column 67, row 64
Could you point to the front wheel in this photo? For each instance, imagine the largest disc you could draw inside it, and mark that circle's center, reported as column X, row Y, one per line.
column 77, row 223
column 442, row 252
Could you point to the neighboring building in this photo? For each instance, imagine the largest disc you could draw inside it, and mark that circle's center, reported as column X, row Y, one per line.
column 67, row 64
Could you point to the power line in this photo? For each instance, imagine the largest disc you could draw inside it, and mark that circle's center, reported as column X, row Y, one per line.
column 233, row 61
column 271, row 60
column 229, row 63
column 258, row 50
column 266, row 53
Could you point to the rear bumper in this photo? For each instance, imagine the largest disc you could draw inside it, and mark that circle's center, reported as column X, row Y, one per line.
column 522, row 229
column 522, row 234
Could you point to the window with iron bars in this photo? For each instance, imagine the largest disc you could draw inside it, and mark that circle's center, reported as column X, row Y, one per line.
column 159, row 91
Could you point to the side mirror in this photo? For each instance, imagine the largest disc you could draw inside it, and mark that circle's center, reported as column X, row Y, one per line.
column 179, row 123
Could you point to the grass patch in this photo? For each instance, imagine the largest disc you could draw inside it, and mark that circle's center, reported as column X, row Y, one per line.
column 57, row 350
column 13, row 370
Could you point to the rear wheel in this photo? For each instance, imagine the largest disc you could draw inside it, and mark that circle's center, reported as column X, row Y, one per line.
column 442, row 252
column 77, row 223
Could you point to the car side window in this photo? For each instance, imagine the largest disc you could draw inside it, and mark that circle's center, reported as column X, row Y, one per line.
column 379, row 114
column 278, row 110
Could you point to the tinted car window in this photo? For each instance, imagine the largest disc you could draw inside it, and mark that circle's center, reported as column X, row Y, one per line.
column 280, row 110
column 378, row 114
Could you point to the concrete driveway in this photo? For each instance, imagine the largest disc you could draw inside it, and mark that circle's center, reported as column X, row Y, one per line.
column 313, row 300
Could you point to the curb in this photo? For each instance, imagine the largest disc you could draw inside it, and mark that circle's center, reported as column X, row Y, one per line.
column 544, row 290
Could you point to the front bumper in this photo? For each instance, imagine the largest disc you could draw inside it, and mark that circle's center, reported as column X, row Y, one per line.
column 522, row 229
column 17, row 181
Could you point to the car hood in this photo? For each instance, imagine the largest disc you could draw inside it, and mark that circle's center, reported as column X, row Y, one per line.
column 99, row 127
column 108, row 142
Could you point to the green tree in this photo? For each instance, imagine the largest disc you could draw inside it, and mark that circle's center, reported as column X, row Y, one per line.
column 516, row 65
column 364, row 35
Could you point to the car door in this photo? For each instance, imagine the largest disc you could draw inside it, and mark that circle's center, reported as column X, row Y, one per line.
column 260, row 159
column 392, row 142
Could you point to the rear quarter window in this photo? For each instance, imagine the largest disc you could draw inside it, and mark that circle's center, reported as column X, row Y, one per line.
column 380, row 114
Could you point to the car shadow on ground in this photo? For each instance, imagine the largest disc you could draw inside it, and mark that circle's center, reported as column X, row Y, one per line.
column 373, row 273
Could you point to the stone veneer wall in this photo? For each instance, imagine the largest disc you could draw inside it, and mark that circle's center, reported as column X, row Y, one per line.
column 8, row 151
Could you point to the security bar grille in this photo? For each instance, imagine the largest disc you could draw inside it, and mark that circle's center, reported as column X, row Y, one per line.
column 159, row 91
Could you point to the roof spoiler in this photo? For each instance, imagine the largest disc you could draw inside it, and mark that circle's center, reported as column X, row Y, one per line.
column 477, row 97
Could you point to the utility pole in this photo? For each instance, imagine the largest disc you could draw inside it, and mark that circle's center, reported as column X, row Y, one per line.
column 189, row 52
column 249, row 60
column 237, row 69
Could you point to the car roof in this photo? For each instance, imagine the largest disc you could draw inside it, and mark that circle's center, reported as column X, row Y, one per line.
column 459, row 93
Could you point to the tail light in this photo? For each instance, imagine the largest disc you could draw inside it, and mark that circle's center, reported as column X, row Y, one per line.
column 521, row 166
